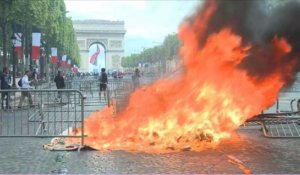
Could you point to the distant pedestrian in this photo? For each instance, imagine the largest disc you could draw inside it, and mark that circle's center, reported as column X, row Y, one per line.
column 60, row 82
column 34, row 77
column 4, row 80
column 136, row 78
column 25, row 85
column 103, row 83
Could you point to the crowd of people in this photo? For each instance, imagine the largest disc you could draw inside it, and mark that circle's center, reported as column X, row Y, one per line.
column 25, row 82
column 30, row 78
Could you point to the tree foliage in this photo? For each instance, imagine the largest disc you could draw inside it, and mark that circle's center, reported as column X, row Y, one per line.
column 167, row 50
column 48, row 16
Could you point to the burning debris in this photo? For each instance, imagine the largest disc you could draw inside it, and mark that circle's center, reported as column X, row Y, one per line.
column 58, row 144
column 237, row 56
column 63, row 144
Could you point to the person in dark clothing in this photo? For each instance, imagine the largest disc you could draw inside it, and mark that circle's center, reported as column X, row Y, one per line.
column 136, row 78
column 4, row 80
column 103, row 83
column 34, row 76
column 60, row 82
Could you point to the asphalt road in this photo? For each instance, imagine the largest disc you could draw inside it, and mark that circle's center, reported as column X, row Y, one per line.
column 258, row 154
column 247, row 149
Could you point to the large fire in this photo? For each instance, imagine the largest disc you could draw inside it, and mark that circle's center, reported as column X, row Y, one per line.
column 214, row 96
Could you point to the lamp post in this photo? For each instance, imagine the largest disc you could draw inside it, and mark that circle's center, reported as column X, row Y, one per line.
column 42, row 61
column 13, row 39
column 1, row 56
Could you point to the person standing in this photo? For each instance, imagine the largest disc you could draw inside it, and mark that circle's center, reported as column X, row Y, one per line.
column 34, row 76
column 136, row 78
column 26, row 86
column 60, row 83
column 4, row 78
column 103, row 83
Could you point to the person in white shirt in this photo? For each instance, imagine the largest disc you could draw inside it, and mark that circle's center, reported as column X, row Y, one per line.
column 26, row 85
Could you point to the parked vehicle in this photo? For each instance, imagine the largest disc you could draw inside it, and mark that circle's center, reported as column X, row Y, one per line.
column 117, row 74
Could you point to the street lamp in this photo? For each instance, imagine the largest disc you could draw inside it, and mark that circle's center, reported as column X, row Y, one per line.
column 1, row 55
column 42, row 63
column 14, row 39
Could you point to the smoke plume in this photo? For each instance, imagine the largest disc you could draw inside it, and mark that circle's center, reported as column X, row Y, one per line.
column 259, row 22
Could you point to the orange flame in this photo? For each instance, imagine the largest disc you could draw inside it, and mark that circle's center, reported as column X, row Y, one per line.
column 212, row 99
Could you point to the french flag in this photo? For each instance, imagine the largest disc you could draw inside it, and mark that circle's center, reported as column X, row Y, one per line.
column 75, row 69
column 18, row 45
column 69, row 63
column 63, row 61
column 93, row 59
column 54, row 58
column 36, row 44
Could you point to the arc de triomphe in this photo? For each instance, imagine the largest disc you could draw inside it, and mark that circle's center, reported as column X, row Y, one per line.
column 110, row 34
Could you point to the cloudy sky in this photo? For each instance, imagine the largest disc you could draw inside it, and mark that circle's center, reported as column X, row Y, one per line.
column 146, row 22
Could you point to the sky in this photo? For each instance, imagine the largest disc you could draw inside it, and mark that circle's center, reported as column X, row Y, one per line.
column 146, row 22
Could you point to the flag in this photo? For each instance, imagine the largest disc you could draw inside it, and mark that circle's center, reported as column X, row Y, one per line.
column 75, row 69
column 93, row 59
column 54, row 58
column 18, row 45
column 63, row 61
column 69, row 63
column 36, row 43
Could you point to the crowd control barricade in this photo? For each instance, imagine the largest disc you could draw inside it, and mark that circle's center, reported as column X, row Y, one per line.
column 282, row 120
column 116, row 95
column 52, row 113
column 119, row 91
column 90, row 90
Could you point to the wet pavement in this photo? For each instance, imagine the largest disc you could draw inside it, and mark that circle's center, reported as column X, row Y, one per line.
column 258, row 154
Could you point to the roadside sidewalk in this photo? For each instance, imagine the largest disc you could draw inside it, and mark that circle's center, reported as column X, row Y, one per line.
column 15, row 96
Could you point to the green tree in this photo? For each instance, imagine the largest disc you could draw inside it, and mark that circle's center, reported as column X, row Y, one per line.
column 49, row 16
column 5, row 6
column 159, row 54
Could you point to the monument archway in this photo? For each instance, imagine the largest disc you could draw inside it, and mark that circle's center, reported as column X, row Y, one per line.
column 110, row 34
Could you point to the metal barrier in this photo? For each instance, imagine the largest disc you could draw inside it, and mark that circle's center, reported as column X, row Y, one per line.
column 117, row 94
column 59, row 112
column 282, row 120
column 280, row 125
column 51, row 113
column 90, row 90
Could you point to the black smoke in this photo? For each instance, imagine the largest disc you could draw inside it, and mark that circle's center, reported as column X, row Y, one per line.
column 258, row 22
